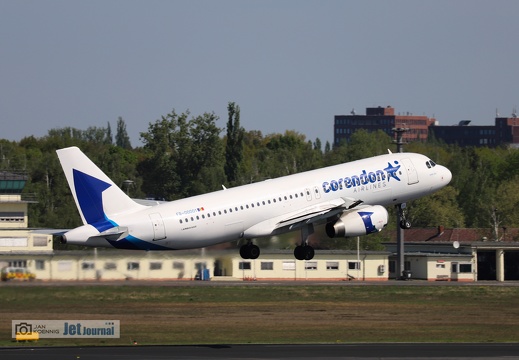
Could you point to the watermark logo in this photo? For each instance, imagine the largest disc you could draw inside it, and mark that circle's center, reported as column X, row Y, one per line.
column 66, row 328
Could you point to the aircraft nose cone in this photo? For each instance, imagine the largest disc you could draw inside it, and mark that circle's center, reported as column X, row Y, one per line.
column 447, row 175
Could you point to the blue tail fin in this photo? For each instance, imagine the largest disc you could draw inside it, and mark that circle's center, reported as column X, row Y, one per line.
column 97, row 197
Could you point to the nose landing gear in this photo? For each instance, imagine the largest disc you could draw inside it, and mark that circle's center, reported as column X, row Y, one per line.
column 305, row 251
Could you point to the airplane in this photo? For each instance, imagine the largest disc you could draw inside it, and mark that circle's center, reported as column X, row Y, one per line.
column 349, row 198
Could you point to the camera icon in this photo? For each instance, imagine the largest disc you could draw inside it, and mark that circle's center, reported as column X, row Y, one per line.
column 23, row 328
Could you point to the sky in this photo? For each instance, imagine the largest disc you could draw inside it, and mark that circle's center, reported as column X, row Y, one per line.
column 288, row 64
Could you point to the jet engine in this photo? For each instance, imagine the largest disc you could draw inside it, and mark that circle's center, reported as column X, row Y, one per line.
column 367, row 220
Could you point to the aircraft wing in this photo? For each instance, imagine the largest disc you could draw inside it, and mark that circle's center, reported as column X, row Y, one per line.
column 309, row 215
column 318, row 213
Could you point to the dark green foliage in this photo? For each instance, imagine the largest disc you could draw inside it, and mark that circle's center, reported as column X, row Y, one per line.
column 182, row 157
column 234, row 144
column 121, row 137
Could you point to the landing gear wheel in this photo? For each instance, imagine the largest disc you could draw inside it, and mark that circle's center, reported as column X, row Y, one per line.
column 405, row 224
column 244, row 253
column 310, row 252
column 249, row 251
column 305, row 252
column 254, row 252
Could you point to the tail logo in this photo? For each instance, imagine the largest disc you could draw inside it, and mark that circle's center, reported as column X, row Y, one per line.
column 89, row 192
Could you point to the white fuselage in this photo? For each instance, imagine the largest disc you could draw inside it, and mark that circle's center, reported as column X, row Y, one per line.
column 256, row 210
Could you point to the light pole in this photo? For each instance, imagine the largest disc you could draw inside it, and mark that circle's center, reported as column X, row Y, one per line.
column 399, row 131
column 127, row 184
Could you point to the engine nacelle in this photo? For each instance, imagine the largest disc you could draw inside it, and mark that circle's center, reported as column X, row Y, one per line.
column 368, row 220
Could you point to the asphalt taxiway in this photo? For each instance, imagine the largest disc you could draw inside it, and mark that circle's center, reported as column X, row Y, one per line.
column 317, row 351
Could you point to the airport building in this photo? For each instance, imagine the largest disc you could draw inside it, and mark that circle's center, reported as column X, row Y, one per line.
column 15, row 236
column 460, row 254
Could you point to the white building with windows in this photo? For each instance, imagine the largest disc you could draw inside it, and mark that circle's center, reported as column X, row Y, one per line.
column 15, row 237
column 198, row 265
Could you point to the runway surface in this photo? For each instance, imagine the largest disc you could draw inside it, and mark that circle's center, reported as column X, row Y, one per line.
column 333, row 351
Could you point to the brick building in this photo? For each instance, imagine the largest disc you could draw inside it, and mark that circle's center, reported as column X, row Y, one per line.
column 382, row 118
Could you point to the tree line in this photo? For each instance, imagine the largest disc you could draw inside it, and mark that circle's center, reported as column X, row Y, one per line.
column 184, row 155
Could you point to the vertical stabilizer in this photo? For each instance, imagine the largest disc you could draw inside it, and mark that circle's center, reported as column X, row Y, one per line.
column 97, row 197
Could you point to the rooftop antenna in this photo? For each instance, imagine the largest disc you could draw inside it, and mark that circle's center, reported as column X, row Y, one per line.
column 353, row 112
column 497, row 112
column 514, row 112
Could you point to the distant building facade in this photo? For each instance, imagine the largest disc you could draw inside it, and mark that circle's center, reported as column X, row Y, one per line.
column 382, row 118
column 504, row 132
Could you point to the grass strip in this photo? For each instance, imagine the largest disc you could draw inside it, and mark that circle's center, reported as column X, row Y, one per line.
column 272, row 314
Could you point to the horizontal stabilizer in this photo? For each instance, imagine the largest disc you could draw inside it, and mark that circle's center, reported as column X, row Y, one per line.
column 114, row 234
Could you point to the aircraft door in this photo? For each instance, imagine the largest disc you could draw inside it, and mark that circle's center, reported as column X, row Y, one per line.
column 159, row 231
column 317, row 192
column 308, row 194
column 412, row 174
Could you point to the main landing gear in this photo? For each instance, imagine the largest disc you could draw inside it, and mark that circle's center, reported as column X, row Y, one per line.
column 305, row 251
column 249, row 251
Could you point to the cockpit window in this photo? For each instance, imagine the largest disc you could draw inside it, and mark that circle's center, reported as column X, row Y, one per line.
column 430, row 164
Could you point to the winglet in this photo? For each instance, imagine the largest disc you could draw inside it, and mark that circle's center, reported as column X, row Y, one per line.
column 96, row 195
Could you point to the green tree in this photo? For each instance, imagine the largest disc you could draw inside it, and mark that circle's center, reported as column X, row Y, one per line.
column 287, row 154
column 440, row 208
column 234, row 144
column 109, row 137
column 121, row 137
column 182, row 157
